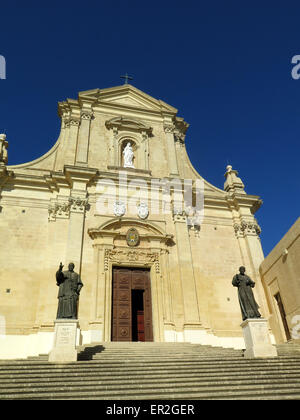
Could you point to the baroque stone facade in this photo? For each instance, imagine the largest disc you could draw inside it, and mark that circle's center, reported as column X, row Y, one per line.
column 53, row 209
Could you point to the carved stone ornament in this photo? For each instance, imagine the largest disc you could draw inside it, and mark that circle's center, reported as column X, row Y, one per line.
column 78, row 204
column 85, row 115
column 179, row 215
column 143, row 211
column 179, row 136
column 119, row 208
column 74, row 122
column 62, row 210
column 247, row 228
column 132, row 237
column 169, row 128
column 119, row 256
column 59, row 210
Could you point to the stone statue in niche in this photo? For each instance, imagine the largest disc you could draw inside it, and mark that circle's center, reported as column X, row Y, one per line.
column 128, row 156
column 70, row 285
column 248, row 305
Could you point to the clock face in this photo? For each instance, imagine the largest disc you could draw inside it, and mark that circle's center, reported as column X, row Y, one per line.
column 132, row 237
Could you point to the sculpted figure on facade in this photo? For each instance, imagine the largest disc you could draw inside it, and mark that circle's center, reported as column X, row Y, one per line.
column 70, row 285
column 248, row 305
column 128, row 156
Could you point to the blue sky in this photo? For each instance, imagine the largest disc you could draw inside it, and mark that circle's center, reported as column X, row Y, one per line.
column 226, row 66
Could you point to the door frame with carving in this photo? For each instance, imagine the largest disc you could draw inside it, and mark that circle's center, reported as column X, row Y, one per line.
column 125, row 281
column 108, row 255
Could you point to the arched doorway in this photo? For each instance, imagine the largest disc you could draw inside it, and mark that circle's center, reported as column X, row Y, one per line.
column 147, row 263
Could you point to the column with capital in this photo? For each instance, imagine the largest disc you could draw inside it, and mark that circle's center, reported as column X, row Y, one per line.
column 78, row 200
column 73, row 124
column 190, row 302
column 83, row 137
column 173, row 165
column 247, row 230
column 145, row 142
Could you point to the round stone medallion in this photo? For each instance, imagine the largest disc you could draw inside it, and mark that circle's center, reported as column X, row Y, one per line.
column 132, row 237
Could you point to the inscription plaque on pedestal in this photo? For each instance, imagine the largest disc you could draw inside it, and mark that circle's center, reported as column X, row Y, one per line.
column 64, row 349
column 257, row 339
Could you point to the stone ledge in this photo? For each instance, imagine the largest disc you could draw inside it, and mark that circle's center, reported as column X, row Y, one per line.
column 130, row 170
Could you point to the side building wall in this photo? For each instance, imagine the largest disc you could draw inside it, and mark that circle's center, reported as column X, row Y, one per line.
column 280, row 276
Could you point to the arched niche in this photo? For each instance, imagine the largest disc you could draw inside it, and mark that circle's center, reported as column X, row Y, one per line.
column 123, row 141
column 134, row 131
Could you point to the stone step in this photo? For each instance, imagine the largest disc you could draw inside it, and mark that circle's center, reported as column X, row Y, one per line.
column 131, row 364
column 151, row 387
column 20, row 365
column 158, row 351
column 106, row 356
column 137, row 381
column 157, row 356
column 149, row 392
column 158, row 348
column 148, row 376
column 115, row 371
column 57, row 375
column 287, row 349
column 152, row 345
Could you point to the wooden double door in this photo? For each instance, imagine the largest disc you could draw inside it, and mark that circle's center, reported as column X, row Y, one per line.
column 131, row 305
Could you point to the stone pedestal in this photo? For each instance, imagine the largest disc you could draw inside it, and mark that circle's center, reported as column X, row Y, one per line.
column 257, row 339
column 65, row 334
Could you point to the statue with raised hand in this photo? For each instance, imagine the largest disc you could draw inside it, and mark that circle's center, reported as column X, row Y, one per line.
column 69, row 284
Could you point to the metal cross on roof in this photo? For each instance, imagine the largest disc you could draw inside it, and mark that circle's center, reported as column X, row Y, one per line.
column 126, row 77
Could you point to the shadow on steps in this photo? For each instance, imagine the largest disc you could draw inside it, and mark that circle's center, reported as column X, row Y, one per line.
column 89, row 352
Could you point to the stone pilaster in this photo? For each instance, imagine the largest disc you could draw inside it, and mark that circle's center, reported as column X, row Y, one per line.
column 173, row 165
column 83, row 138
column 167, row 289
column 247, row 230
column 70, row 151
column 145, row 143
column 191, row 309
column 78, row 206
column 78, row 179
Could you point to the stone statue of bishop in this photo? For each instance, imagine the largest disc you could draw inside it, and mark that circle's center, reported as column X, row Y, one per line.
column 249, row 307
column 70, row 285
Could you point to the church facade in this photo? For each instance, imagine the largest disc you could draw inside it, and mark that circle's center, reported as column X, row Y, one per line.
column 156, row 245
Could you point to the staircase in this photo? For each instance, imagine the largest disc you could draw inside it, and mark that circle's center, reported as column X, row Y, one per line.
column 156, row 371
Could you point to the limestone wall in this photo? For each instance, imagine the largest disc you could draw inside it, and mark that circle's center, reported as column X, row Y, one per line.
column 280, row 274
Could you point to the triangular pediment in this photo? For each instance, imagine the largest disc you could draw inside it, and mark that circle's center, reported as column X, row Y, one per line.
column 126, row 96
column 132, row 102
